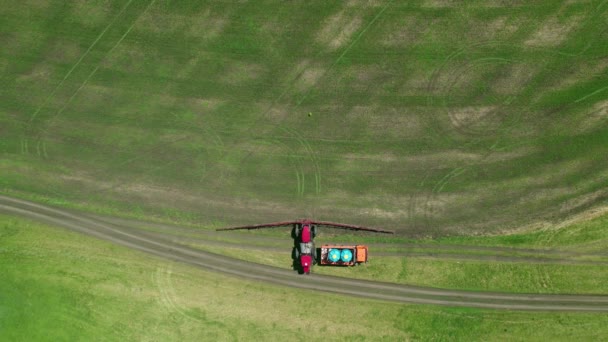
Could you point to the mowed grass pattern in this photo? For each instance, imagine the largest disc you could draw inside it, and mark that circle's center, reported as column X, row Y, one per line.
column 426, row 116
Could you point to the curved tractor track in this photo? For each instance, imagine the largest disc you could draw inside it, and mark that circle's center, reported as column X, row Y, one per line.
column 154, row 244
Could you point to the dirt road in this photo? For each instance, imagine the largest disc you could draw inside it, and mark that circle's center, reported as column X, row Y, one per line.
column 166, row 247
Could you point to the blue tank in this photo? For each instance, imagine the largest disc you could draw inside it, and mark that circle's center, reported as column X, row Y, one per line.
column 334, row 255
column 346, row 255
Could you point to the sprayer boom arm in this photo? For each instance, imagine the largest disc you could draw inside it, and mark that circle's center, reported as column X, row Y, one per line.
column 317, row 223
column 352, row 227
column 264, row 225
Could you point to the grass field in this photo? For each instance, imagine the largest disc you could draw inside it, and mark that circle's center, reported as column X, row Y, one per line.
column 94, row 290
column 481, row 124
column 424, row 117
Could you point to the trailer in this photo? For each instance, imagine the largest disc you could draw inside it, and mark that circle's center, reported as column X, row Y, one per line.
column 342, row 255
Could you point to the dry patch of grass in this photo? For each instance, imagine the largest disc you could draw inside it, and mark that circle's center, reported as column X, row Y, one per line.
column 513, row 80
column 385, row 214
column 206, row 25
column 310, row 76
column 596, row 118
column 145, row 193
column 493, row 30
column 128, row 58
column 405, row 32
column 202, row 105
column 458, row 77
column 158, row 196
column 416, row 83
column 384, row 158
column 579, row 73
column 549, row 174
column 584, row 200
column 553, row 32
column 457, row 157
column 584, row 216
column 338, row 29
column 388, row 122
column 475, row 117
column 278, row 112
column 365, row 3
column 238, row 72
column 40, row 72
column 440, row 3
column 387, row 207
column 370, row 75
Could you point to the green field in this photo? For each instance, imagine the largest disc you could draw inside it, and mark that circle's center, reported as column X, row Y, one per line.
column 59, row 285
column 426, row 118
column 477, row 123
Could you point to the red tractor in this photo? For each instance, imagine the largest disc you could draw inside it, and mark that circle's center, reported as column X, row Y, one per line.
column 304, row 249
column 304, row 231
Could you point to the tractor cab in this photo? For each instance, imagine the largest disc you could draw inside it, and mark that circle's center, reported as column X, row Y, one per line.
column 307, row 232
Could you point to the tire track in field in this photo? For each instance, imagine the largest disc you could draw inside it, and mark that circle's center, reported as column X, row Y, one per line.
column 300, row 138
column 67, row 75
column 168, row 297
column 263, row 117
column 296, row 161
column 312, row 155
column 40, row 145
column 497, row 121
column 449, row 77
column 246, row 270
column 461, row 127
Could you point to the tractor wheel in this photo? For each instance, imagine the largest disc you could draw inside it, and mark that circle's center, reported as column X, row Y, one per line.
column 314, row 231
column 297, row 253
column 295, row 233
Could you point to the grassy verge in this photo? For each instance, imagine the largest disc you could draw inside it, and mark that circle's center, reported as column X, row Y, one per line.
column 59, row 285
